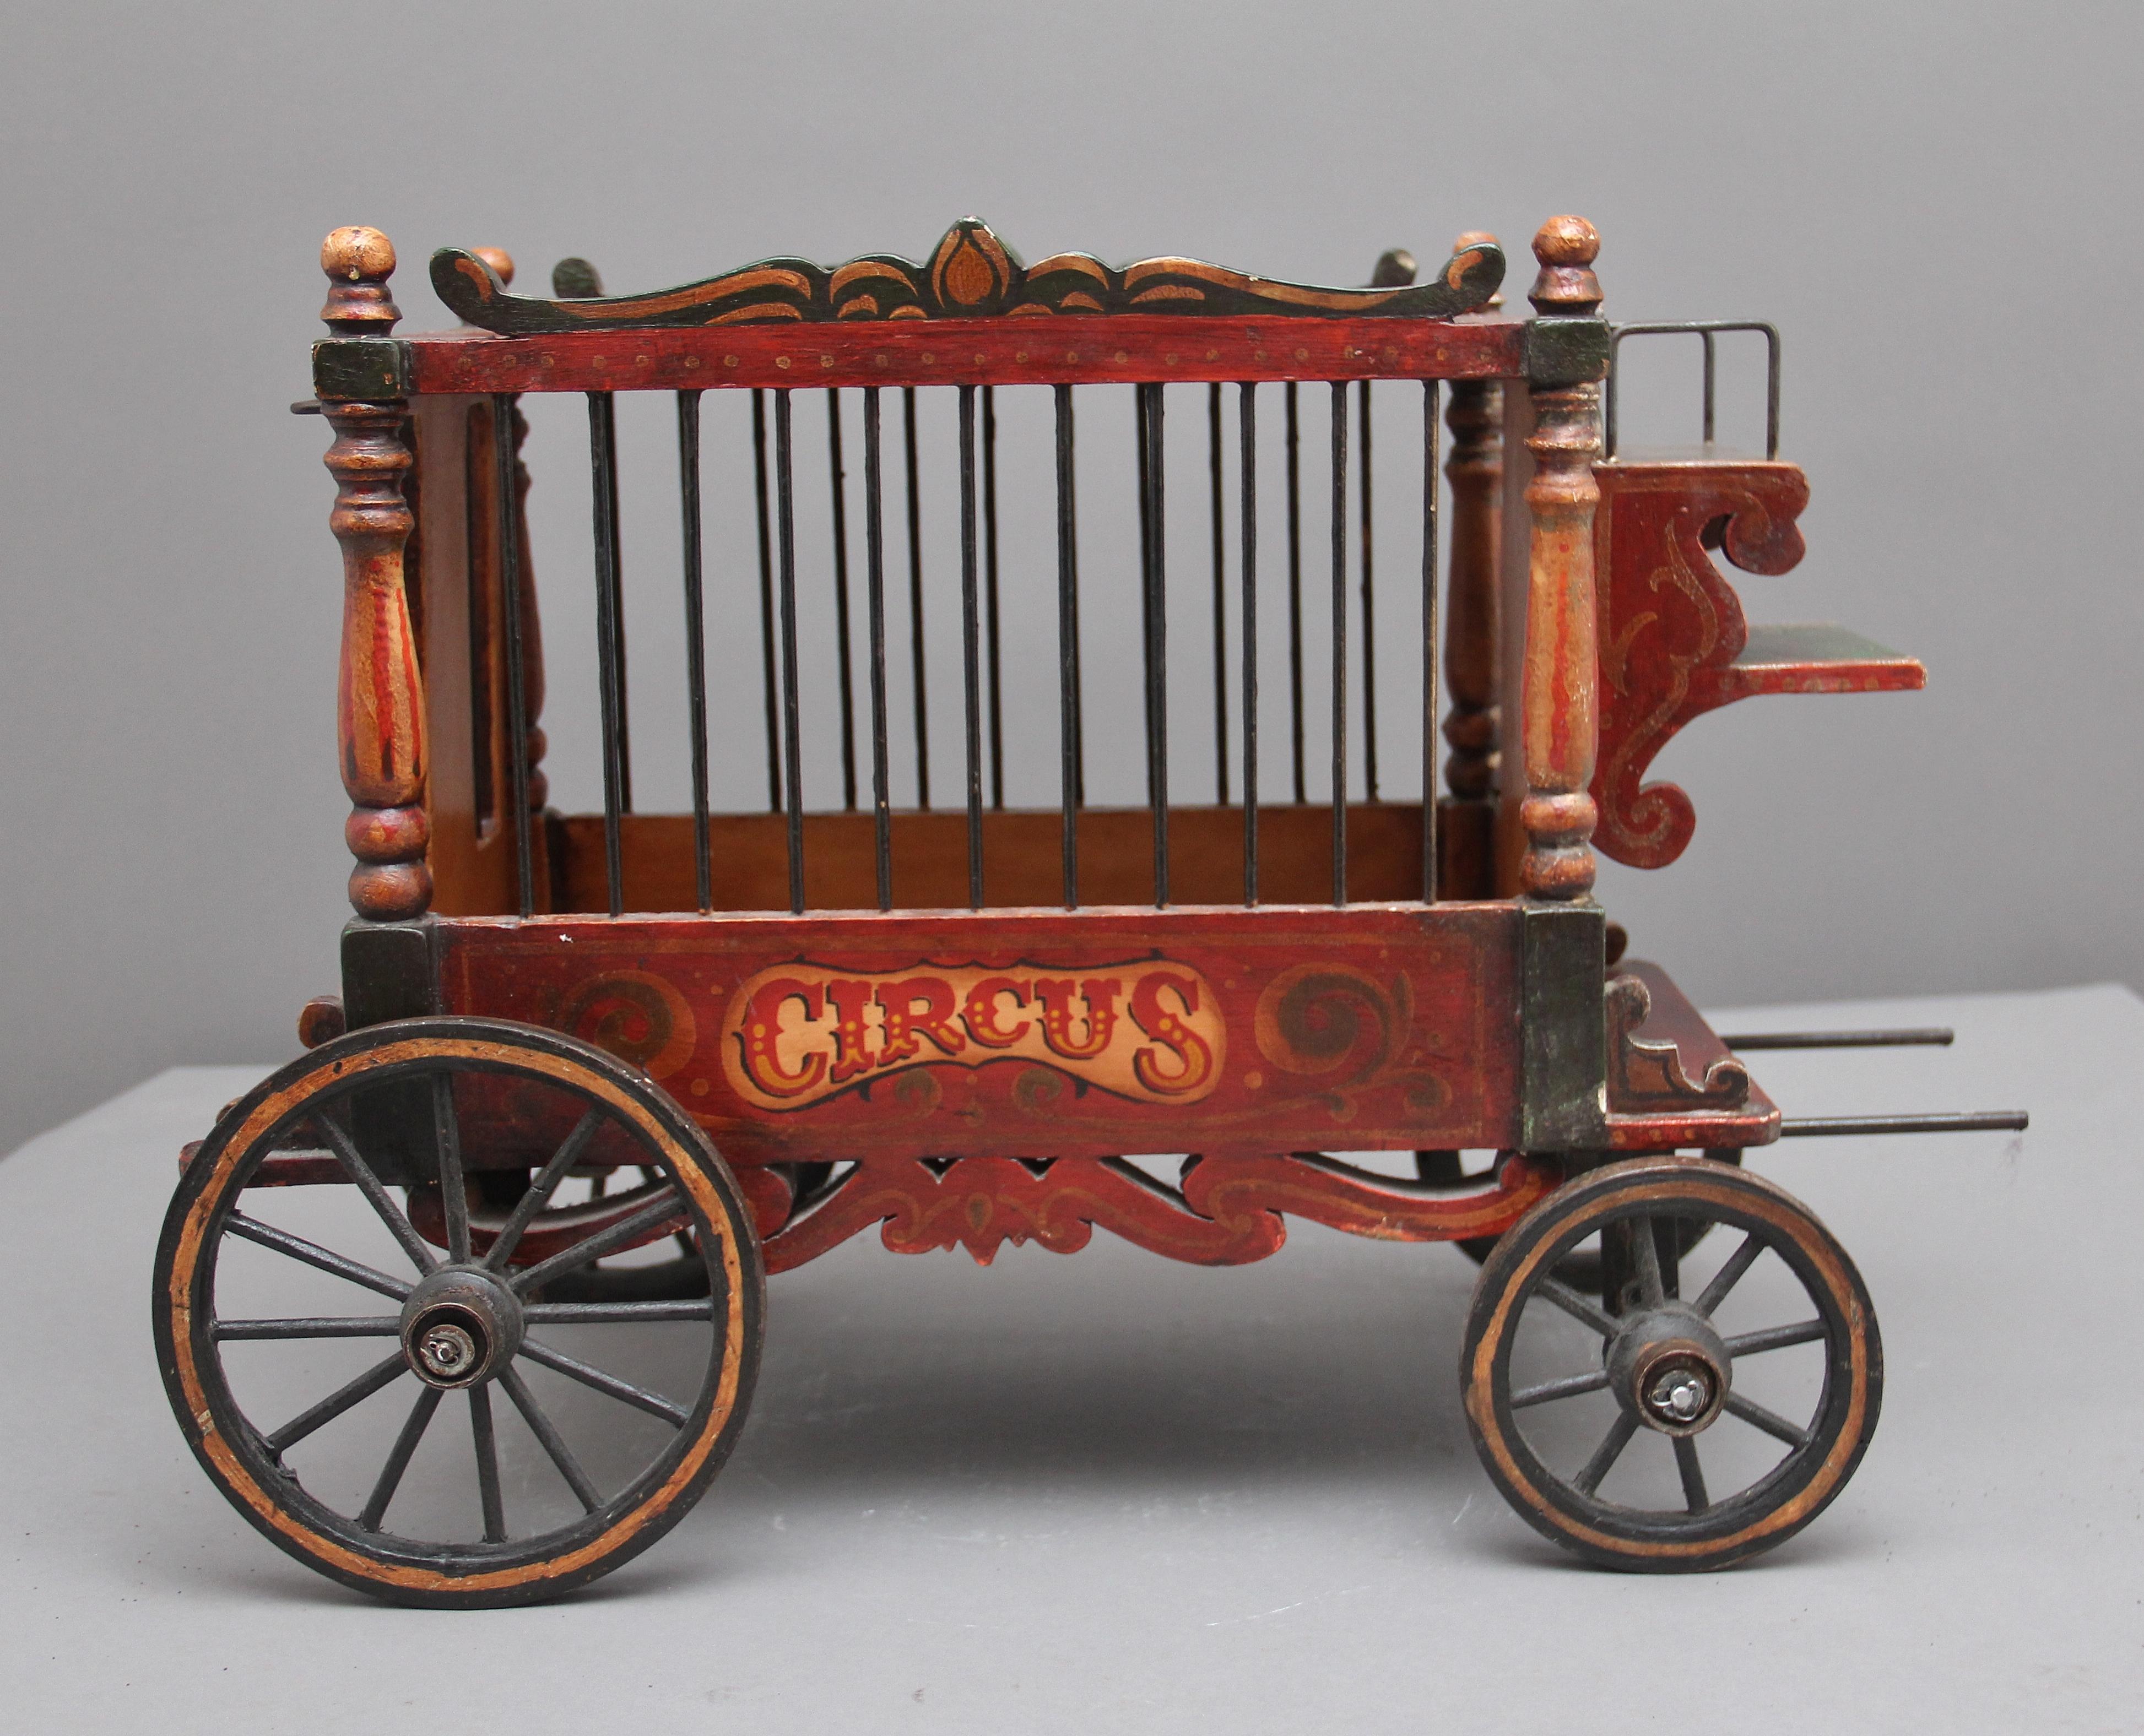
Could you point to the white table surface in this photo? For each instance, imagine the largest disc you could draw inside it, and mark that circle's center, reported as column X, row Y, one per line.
column 1112, row 1493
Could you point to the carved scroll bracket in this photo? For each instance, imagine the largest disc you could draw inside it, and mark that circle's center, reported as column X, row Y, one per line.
column 1229, row 1213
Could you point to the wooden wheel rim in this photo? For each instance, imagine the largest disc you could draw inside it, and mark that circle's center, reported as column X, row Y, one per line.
column 1780, row 1503
column 471, row 1575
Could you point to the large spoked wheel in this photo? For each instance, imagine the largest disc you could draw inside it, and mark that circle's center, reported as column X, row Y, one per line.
column 508, row 1446
column 1699, row 1413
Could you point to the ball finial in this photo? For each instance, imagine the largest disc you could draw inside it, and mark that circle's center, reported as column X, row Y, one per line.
column 358, row 262
column 1566, row 248
column 354, row 255
column 500, row 259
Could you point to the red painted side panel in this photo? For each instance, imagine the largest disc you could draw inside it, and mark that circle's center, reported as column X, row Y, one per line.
column 1036, row 1034
column 1121, row 349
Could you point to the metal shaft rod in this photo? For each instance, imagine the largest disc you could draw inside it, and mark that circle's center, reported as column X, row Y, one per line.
column 1983, row 1121
column 1930, row 1036
column 838, row 489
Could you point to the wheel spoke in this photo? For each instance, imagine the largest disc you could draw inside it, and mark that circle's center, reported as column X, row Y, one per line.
column 1578, row 1308
column 487, row 1464
column 1568, row 1387
column 660, row 1210
column 639, row 1397
column 617, row 1313
column 398, row 1459
column 1770, row 1421
column 1605, row 1455
column 1693, row 1473
column 454, row 1193
column 1645, row 1261
column 1730, row 1275
column 363, row 1325
column 541, row 1189
column 547, row 1431
column 369, row 1184
column 380, row 1374
column 266, row 1235
column 1778, row 1337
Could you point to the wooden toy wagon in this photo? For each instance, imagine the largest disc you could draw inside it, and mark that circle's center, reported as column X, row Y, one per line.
column 596, row 1075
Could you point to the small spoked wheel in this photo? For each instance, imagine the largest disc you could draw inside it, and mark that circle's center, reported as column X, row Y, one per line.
column 585, row 1430
column 1694, row 1411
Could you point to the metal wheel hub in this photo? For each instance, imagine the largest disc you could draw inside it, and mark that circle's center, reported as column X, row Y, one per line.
column 1670, row 1370
column 460, row 1326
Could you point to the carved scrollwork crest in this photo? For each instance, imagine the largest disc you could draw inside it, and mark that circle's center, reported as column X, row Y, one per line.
column 971, row 274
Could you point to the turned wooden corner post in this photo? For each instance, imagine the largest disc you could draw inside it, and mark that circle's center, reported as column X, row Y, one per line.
column 1475, row 469
column 379, row 702
column 1560, row 727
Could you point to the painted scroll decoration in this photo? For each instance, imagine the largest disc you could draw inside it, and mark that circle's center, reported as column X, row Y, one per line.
column 1226, row 1210
column 971, row 274
column 1670, row 624
column 1148, row 1030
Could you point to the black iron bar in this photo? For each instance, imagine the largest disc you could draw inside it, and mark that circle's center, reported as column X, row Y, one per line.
column 508, row 544
column 1431, row 635
column 1067, row 650
column 1369, row 606
column 696, row 639
column 992, row 667
column 915, row 598
column 1145, row 462
column 875, row 586
column 769, row 686
column 1295, row 590
column 792, row 748
column 617, row 605
column 1220, row 593
column 838, row 485
column 602, row 474
column 1247, row 487
column 1339, row 642
column 1156, row 641
column 971, row 671
column 1984, row 1121
column 1930, row 1036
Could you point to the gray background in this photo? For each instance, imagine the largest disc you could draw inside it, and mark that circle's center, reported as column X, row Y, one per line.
column 1936, row 203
